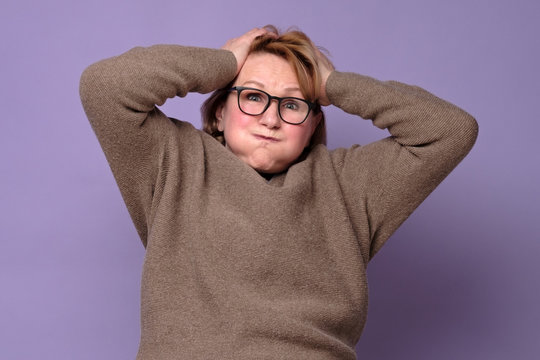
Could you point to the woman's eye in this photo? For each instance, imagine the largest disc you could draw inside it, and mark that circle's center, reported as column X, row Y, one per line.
column 254, row 97
column 291, row 105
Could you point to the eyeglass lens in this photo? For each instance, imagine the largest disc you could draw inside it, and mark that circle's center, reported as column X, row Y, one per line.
column 255, row 102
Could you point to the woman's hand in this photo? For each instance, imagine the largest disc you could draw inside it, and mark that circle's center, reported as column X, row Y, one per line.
column 240, row 46
column 325, row 68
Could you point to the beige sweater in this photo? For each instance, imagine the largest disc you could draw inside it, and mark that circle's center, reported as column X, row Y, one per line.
column 240, row 268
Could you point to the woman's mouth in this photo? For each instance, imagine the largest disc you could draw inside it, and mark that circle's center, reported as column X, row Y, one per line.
column 266, row 138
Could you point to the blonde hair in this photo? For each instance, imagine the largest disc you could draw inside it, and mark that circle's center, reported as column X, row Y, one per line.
column 297, row 49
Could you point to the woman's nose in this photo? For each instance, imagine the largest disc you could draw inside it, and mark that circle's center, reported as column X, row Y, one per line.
column 270, row 118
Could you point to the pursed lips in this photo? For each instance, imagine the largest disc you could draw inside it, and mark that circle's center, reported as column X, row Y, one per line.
column 266, row 138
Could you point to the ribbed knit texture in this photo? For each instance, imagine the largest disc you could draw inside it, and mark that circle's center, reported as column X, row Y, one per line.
column 240, row 268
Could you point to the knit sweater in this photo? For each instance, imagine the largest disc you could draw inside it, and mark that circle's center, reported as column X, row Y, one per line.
column 238, row 267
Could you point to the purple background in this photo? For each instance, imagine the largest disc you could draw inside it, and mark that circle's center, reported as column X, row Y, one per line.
column 459, row 280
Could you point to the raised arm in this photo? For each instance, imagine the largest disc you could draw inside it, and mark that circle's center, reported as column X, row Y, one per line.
column 121, row 92
column 120, row 95
column 391, row 177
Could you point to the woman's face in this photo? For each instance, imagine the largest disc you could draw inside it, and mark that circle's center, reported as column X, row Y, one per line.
column 265, row 142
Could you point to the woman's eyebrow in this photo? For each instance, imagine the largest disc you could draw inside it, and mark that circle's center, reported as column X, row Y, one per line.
column 261, row 86
column 254, row 82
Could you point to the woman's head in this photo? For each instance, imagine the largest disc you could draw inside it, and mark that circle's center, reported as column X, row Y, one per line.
column 282, row 66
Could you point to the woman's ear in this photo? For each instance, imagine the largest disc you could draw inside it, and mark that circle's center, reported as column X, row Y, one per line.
column 219, row 117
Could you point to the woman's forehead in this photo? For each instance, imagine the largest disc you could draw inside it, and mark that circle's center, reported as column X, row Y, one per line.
column 268, row 72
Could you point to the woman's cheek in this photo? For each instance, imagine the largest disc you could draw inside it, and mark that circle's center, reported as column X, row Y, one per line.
column 243, row 121
column 240, row 121
column 301, row 135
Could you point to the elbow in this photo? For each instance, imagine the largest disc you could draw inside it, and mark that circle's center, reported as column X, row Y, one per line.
column 460, row 136
column 466, row 131
column 88, row 83
column 96, row 89
column 456, row 135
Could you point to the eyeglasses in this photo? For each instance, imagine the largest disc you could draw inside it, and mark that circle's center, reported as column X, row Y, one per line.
column 292, row 110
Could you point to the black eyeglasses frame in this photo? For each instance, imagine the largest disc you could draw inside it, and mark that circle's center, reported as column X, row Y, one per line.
column 239, row 89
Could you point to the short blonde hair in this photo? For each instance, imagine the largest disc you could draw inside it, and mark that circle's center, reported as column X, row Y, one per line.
column 297, row 49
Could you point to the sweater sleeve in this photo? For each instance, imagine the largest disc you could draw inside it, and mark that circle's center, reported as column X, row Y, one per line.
column 119, row 96
column 389, row 178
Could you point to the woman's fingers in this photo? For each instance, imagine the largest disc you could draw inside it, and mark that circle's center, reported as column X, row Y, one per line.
column 325, row 68
column 239, row 46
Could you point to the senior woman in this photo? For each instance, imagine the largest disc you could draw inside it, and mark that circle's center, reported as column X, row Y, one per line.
column 257, row 236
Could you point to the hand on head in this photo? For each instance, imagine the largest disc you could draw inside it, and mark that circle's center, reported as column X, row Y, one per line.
column 325, row 68
column 240, row 46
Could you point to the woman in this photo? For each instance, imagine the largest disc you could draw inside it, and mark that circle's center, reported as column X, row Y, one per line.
column 257, row 236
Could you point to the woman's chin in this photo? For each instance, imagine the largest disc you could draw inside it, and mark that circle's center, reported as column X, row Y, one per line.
column 266, row 161
column 266, row 165
column 267, row 168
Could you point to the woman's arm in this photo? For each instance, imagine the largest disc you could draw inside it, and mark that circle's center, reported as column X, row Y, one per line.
column 120, row 95
column 388, row 179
